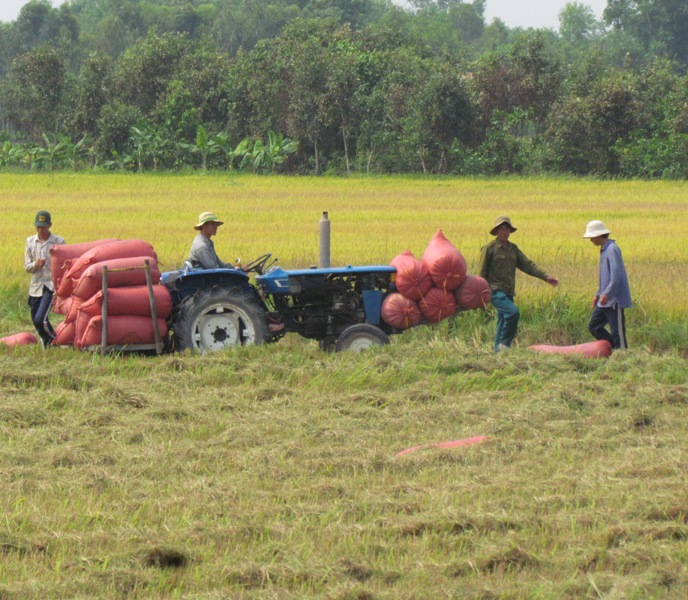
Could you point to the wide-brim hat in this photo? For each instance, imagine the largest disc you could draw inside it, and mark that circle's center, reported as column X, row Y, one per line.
column 42, row 219
column 595, row 229
column 207, row 217
column 500, row 221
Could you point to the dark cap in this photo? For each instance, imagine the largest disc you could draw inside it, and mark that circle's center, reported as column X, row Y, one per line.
column 42, row 219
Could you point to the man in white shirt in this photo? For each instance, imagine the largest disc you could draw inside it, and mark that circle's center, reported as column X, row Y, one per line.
column 37, row 262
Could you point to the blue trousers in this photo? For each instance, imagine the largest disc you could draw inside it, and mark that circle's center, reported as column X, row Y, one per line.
column 507, row 319
column 40, row 307
column 614, row 317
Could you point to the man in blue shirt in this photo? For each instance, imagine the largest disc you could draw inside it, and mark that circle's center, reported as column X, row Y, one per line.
column 613, row 294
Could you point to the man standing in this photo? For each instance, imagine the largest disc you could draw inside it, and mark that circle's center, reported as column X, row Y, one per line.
column 613, row 294
column 498, row 263
column 202, row 249
column 37, row 262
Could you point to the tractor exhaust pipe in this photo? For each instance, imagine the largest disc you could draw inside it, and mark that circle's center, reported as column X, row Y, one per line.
column 324, row 225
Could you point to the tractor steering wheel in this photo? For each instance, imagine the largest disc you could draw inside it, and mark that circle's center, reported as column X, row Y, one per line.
column 257, row 265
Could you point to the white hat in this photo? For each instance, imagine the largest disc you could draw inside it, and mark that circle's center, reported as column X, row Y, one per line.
column 595, row 229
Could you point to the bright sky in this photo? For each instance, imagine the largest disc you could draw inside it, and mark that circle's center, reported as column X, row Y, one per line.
column 515, row 13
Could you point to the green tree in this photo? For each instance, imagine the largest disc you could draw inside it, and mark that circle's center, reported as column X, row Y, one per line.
column 32, row 92
column 660, row 25
column 91, row 92
column 144, row 71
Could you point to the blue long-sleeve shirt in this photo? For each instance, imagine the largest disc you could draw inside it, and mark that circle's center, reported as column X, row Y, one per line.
column 613, row 278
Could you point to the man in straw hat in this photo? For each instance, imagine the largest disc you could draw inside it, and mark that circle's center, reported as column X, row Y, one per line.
column 202, row 249
column 498, row 263
column 613, row 294
column 41, row 288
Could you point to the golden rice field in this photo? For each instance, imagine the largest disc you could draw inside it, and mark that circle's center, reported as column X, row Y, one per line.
column 373, row 219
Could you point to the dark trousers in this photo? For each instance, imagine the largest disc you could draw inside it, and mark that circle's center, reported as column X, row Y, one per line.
column 40, row 307
column 613, row 317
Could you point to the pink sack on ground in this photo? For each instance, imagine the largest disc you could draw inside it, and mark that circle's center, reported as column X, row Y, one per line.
column 472, row 441
column 91, row 281
column 122, row 331
column 132, row 300
column 111, row 251
column 598, row 349
column 446, row 264
column 474, row 292
column 400, row 312
column 18, row 339
column 437, row 304
column 413, row 278
column 66, row 252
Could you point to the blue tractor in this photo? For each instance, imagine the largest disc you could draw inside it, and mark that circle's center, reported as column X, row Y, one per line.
column 220, row 308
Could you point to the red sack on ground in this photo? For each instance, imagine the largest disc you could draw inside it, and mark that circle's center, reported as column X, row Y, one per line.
column 122, row 331
column 19, row 339
column 111, row 251
column 413, row 279
column 62, row 253
column 132, row 300
column 437, row 304
column 64, row 334
column 474, row 292
column 91, row 281
column 446, row 265
column 598, row 349
column 400, row 312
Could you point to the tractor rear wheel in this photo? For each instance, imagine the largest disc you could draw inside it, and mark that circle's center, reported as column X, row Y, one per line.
column 219, row 318
column 359, row 337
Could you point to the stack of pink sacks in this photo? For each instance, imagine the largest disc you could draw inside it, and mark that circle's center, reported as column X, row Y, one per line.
column 434, row 287
column 77, row 271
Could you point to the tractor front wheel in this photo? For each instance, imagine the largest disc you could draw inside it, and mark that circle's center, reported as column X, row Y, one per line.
column 359, row 337
column 219, row 318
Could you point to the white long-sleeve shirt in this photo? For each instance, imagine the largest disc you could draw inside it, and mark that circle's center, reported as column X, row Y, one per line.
column 35, row 250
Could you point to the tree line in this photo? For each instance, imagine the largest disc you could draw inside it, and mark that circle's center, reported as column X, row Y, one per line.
column 343, row 86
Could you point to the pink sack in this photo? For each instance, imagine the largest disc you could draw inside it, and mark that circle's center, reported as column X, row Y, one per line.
column 413, row 279
column 132, row 300
column 64, row 334
column 598, row 349
column 446, row 265
column 18, row 339
column 122, row 331
column 474, row 292
column 110, row 251
column 61, row 304
column 400, row 312
column 63, row 252
column 437, row 305
column 74, row 305
column 91, row 281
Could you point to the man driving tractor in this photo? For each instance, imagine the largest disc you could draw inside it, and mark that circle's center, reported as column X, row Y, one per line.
column 202, row 252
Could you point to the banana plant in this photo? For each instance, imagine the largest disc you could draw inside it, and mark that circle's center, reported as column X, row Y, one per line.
column 10, row 154
column 205, row 146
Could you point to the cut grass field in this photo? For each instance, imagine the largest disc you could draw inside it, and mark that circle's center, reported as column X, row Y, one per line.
column 271, row 472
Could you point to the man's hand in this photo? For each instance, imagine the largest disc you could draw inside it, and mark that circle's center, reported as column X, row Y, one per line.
column 39, row 263
column 604, row 300
column 594, row 301
column 553, row 281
